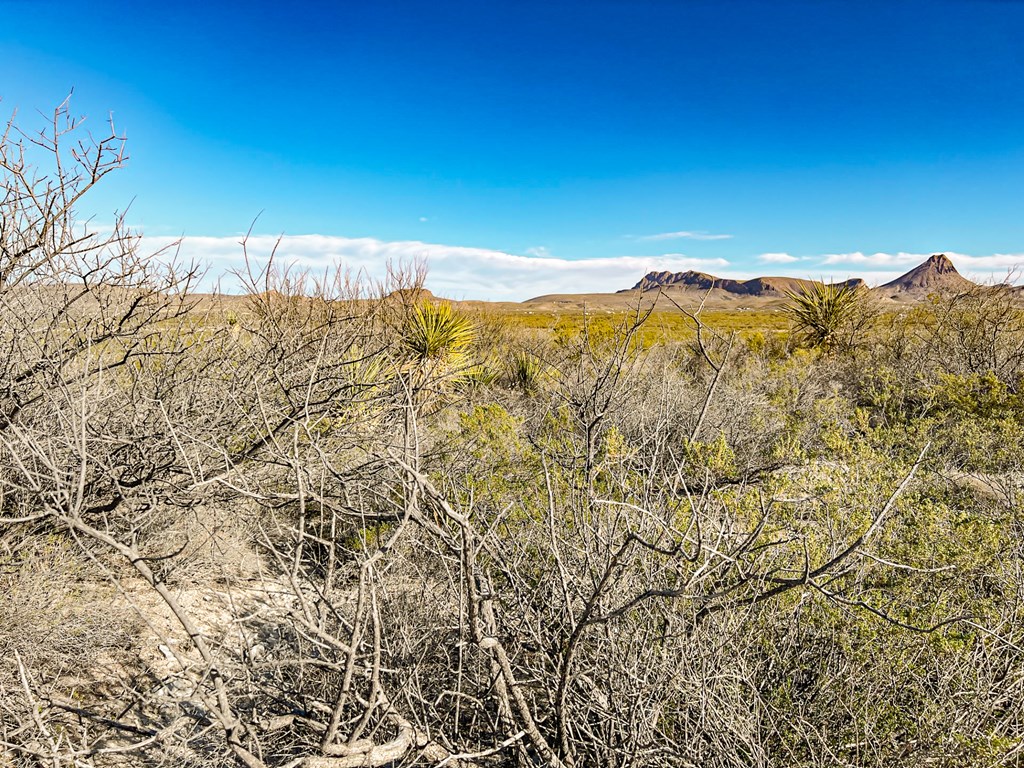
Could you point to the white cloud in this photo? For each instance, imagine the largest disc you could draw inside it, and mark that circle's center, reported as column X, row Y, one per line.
column 453, row 271
column 684, row 235
column 777, row 258
column 540, row 252
column 424, row 218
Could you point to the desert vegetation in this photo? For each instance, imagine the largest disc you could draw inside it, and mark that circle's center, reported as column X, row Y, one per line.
column 336, row 523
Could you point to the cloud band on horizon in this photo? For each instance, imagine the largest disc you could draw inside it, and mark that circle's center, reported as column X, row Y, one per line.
column 462, row 272
column 457, row 272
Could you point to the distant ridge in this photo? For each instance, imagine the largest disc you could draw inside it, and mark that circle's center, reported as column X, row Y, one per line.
column 413, row 295
column 937, row 273
column 757, row 286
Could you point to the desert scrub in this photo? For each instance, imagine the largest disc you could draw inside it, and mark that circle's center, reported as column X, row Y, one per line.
column 58, row 612
column 488, row 460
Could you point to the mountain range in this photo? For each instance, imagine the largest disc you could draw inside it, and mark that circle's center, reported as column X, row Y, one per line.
column 936, row 273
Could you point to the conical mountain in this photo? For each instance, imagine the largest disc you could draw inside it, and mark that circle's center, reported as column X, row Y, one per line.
column 937, row 273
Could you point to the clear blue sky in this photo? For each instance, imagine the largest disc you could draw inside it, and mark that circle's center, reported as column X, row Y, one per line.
column 840, row 134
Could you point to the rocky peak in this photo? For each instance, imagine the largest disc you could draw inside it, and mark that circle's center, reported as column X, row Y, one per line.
column 940, row 264
column 934, row 273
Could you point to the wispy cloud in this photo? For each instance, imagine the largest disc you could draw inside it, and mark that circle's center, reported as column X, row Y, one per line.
column 777, row 258
column 683, row 235
column 453, row 271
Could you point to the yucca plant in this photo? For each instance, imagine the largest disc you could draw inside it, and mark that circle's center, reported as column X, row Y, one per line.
column 437, row 332
column 821, row 311
column 524, row 371
column 481, row 375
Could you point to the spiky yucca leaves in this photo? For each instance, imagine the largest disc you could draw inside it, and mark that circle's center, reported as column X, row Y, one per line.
column 436, row 332
column 439, row 344
column 822, row 311
column 482, row 375
column 524, row 371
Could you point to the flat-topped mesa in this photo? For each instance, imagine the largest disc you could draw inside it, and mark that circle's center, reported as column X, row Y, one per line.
column 688, row 279
column 934, row 274
column 757, row 286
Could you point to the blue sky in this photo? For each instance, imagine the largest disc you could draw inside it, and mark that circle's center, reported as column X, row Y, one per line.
column 532, row 147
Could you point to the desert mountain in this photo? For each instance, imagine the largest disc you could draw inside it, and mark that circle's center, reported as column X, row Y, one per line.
column 757, row 286
column 934, row 274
